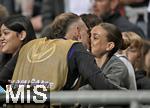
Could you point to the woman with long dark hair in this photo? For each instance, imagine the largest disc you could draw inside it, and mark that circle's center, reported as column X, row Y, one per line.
column 15, row 32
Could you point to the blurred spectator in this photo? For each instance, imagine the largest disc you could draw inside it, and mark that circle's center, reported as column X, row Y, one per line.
column 108, row 10
column 32, row 10
column 146, row 56
column 123, row 57
column 135, row 56
column 148, row 25
column 143, row 75
column 136, row 11
column 143, row 82
column 9, row 4
column 134, row 51
column 90, row 20
column 52, row 8
column 27, row 7
column 3, row 14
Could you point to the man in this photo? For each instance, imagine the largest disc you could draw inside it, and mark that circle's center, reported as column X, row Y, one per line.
column 107, row 10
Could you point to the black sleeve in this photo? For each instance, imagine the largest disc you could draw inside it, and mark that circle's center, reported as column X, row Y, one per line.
column 6, row 71
column 83, row 63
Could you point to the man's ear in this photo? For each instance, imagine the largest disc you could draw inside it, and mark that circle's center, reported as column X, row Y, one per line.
column 22, row 35
column 110, row 46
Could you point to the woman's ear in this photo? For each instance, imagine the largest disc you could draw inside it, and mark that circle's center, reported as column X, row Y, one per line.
column 110, row 46
column 22, row 35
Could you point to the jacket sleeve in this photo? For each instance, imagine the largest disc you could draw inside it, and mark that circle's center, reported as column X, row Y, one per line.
column 6, row 71
column 87, row 68
column 117, row 72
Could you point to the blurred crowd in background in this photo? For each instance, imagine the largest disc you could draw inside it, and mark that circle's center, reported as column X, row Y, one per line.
column 42, row 12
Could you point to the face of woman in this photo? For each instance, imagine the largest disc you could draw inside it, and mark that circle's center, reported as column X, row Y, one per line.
column 133, row 54
column 10, row 40
column 99, row 42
